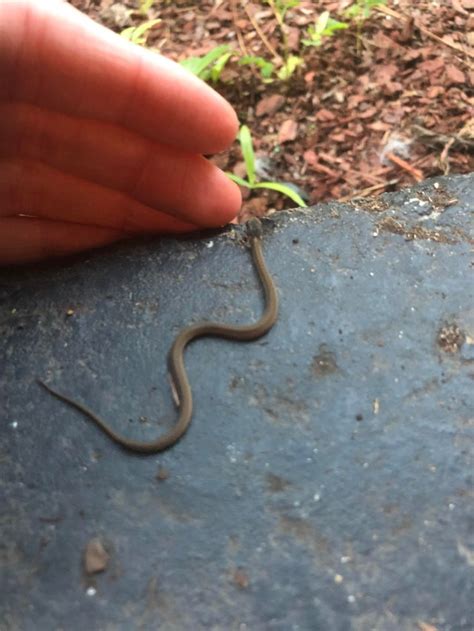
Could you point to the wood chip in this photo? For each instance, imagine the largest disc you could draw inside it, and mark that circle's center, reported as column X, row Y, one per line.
column 454, row 75
column 269, row 105
column 96, row 557
column 287, row 131
column 325, row 115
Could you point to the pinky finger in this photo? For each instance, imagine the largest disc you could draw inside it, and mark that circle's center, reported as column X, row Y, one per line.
column 27, row 239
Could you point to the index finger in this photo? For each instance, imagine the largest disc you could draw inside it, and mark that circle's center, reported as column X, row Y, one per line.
column 53, row 56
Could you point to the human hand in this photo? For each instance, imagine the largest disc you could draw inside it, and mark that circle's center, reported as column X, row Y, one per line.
column 100, row 139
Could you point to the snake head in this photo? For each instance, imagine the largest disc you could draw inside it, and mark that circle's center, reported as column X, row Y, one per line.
column 254, row 228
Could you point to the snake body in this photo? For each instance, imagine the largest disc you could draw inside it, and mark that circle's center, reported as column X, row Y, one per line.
column 176, row 357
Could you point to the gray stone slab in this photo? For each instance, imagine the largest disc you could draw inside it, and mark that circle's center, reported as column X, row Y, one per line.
column 326, row 480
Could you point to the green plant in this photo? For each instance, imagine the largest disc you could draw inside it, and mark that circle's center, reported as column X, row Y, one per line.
column 280, row 7
column 325, row 26
column 145, row 6
column 138, row 34
column 251, row 182
column 210, row 65
column 360, row 10
column 290, row 64
column 265, row 67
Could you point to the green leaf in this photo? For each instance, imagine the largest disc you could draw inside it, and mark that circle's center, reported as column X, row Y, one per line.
column 274, row 186
column 282, row 6
column 218, row 67
column 238, row 180
column 289, row 66
column 265, row 67
column 334, row 25
column 137, row 34
column 321, row 23
column 193, row 64
column 361, row 9
column 246, row 145
column 245, row 140
column 267, row 70
column 145, row 6
column 285, row 190
column 146, row 26
column 289, row 4
column 127, row 33
column 325, row 26
column 198, row 65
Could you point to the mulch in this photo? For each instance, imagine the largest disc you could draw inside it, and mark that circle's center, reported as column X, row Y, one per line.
column 374, row 108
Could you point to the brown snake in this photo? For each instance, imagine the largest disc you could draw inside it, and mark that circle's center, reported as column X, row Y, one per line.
column 176, row 360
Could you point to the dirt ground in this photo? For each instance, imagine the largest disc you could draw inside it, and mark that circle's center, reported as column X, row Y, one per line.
column 374, row 107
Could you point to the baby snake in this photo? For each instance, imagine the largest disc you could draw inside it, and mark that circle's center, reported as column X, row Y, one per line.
column 176, row 360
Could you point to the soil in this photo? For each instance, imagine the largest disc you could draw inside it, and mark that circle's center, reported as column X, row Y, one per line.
column 373, row 108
